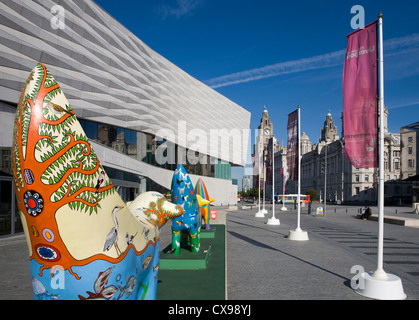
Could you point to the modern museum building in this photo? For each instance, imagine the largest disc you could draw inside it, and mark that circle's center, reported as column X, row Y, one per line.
column 142, row 114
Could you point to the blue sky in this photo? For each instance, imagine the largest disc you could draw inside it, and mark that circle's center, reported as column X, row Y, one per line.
column 279, row 53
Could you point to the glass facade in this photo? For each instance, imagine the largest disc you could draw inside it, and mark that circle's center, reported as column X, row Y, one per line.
column 9, row 217
column 127, row 184
column 138, row 145
column 147, row 148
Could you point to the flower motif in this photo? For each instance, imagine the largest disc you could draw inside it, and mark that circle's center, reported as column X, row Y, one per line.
column 33, row 203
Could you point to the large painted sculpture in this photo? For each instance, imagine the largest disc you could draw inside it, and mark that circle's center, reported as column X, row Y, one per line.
column 84, row 241
column 186, row 228
column 201, row 191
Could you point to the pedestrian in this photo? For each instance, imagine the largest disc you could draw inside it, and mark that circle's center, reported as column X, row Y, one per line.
column 366, row 213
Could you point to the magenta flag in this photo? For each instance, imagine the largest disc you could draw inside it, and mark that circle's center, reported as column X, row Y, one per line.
column 269, row 162
column 292, row 145
column 360, row 92
column 255, row 163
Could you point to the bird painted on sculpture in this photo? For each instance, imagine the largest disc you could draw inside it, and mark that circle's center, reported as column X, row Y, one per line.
column 100, row 181
column 112, row 236
column 57, row 109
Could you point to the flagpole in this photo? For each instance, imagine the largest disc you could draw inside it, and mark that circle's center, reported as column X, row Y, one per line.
column 299, row 171
column 380, row 273
column 259, row 214
column 379, row 284
column 283, row 208
column 273, row 220
column 264, row 211
column 298, row 234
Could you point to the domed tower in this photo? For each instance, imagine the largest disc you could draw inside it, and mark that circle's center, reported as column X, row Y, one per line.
column 329, row 132
column 306, row 145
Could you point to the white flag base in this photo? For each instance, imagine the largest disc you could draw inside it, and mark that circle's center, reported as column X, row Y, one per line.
column 298, row 235
column 283, row 209
column 273, row 221
column 259, row 214
column 264, row 211
column 389, row 288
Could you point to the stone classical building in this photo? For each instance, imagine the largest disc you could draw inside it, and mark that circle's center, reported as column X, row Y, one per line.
column 409, row 156
column 265, row 132
column 325, row 168
column 326, row 164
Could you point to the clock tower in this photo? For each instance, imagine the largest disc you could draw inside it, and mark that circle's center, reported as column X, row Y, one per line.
column 265, row 132
column 266, row 127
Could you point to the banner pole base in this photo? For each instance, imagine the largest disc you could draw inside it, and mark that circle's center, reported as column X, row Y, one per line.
column 389, row 288
column 260, row 214
column 298, row 235
column 273, row 221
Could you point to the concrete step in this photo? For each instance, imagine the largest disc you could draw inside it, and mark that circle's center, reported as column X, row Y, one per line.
column 408, row 222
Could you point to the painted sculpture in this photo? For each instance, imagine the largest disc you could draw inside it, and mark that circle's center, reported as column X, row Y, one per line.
column 201, row 191
column 84, row 242
column 186, row 228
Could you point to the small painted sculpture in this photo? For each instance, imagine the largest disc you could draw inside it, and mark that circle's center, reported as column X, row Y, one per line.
column 201, row 190
column 76, row 225
column 153, row 209
column 186, row 228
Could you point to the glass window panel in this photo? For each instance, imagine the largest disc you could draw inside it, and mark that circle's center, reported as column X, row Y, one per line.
column 90, row 128
column 5, row 207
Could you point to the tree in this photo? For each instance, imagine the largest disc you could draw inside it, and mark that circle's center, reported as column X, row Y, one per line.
column 312, row 193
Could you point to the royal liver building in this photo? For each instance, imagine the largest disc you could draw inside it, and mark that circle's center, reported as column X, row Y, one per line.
column 324, row 164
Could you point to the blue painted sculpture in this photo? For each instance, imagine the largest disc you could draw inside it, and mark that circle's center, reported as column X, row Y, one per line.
column 186, row 228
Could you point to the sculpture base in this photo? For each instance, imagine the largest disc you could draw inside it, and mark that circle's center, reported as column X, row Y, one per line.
column 298, row 235
column 201, row 284
column 389, row 288
column 208, row 233
column 186, row 260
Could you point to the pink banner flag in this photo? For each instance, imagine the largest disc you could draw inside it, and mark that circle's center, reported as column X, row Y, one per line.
column 269, row 162
column 262, row 173
column 255, row 163
column 360, row 98
column 292, row 145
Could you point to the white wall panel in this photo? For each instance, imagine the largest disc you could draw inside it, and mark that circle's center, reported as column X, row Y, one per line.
column 101, row 65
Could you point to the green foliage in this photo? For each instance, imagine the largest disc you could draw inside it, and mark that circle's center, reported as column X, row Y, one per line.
column 312, row 193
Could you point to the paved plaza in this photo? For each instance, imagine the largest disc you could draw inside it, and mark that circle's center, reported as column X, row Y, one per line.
column 263, row 264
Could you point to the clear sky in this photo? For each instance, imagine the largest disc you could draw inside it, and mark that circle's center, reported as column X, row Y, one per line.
column 279, row 53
